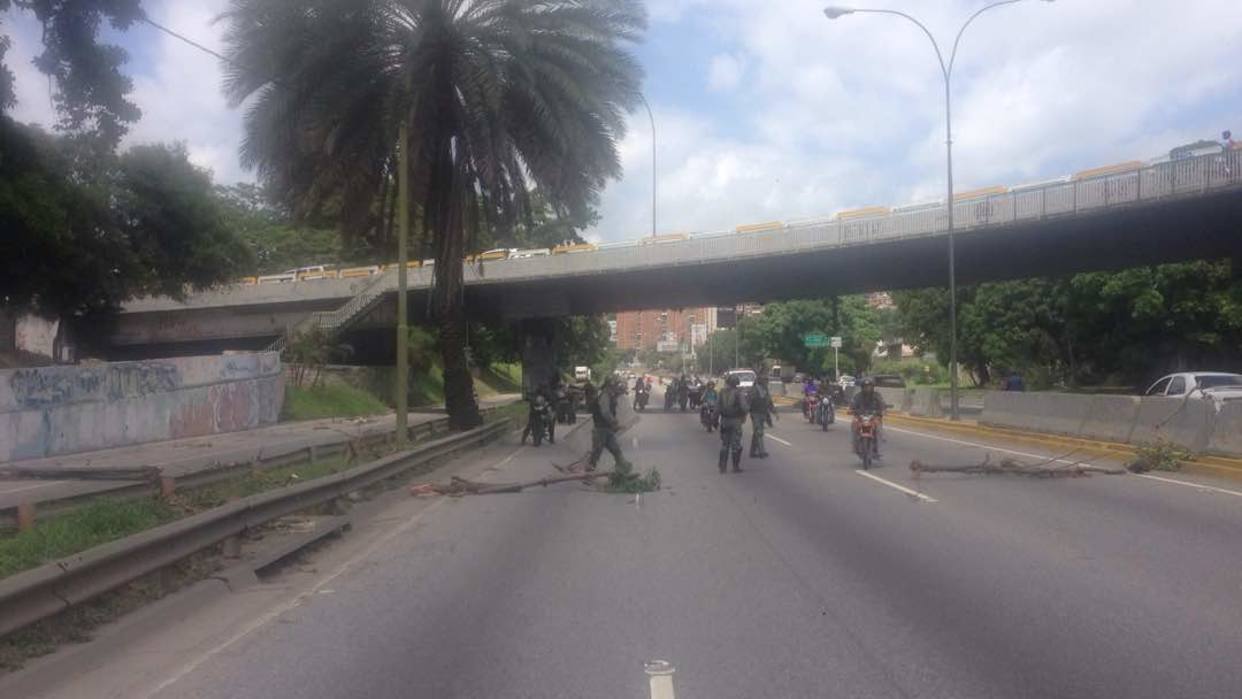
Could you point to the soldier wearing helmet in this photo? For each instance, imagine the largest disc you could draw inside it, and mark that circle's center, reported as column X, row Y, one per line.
column 604, row 433
column 733, row 409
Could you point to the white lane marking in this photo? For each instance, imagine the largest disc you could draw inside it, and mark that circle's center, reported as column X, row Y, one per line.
column 1174, row 481
column 788, row 444
column 660, row 678
column 1190, row 484
column 983, row 446
column 902, row 488
column 276, row 612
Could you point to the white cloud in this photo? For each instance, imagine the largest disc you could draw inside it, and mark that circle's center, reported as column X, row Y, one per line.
column 824, row 114
column 850, row 112
column 724, row 73
column 180, row 94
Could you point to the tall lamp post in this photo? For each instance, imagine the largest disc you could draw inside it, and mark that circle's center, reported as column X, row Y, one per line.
column 834, row 12
column 651, row 117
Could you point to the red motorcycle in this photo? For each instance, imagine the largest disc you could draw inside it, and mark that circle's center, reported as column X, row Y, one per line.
column 866, row 432
column 810, row 407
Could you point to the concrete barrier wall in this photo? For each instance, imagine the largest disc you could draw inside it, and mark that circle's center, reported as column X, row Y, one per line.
column 66, row 409
column 896, row 398
column 925, row 402
column 1111, row 418
column 1195, row 423
column 1227, row 432
column 1185, row 422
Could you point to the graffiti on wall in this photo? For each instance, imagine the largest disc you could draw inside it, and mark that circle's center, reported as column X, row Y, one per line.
column 38, row 388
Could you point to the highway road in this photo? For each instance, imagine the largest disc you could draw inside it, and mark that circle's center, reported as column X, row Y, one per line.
column 800, row 577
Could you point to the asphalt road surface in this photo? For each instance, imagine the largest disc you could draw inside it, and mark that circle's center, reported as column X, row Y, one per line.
column 798, row 578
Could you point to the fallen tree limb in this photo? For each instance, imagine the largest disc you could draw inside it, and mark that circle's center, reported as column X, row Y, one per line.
column 1010, row 466
column 461, row 486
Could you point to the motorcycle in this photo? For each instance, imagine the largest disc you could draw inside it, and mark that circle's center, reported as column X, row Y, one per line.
column 640, row 399
column 696, row 396
column 810, row 403
column 708, row 416
column 825, row 412
column 540, row 423
column 565, row 412
column 866, row 427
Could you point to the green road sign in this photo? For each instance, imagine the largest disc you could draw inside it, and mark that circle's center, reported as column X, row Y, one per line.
column 815, row 340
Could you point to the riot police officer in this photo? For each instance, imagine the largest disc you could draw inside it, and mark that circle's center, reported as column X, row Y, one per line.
column 761, row 411
column 733, row 411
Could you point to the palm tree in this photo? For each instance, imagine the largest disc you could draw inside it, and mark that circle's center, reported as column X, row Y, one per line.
column 498, row 98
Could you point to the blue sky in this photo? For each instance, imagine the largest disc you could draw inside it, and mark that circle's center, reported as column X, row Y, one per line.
column 767, row 111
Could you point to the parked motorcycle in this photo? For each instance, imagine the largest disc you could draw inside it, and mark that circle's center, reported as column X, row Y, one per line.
column 866, row 430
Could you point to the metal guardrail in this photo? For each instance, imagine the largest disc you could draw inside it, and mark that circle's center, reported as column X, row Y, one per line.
column 278, row 455
column 36, row 594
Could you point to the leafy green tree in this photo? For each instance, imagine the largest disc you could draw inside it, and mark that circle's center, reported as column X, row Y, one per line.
column 500, row 97
column 1127, row 326
column 90, row 89
column 79, row 245
column 275, row 240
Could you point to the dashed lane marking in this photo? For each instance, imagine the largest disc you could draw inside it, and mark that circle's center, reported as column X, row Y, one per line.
column 778, row 439
column 660, row 678
column 902, row 488
column 1191, row 484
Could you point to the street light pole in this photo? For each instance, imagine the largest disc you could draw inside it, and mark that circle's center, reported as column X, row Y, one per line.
column 946, row 70
column 651, row 117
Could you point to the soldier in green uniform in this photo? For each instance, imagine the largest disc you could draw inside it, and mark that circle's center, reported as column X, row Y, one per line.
column 604, row 434
column 761, row 411
column 733, row 410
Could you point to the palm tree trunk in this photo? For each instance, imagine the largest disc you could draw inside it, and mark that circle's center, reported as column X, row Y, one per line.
column 459, row 399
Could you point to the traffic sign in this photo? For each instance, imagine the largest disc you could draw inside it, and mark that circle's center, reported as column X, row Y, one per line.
column 836, row 342
column 815, row 340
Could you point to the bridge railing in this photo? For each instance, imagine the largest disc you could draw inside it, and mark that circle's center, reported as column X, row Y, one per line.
column 1061, row 197
column 1058, row 198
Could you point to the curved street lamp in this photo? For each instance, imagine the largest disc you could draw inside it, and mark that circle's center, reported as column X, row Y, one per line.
column 835, row 12
column 653, row 164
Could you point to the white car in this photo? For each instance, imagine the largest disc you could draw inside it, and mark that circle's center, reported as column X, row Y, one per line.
column 1218, row 386
column 745, row 377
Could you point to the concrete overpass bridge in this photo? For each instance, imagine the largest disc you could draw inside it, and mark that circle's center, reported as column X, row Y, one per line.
column 1116, row 217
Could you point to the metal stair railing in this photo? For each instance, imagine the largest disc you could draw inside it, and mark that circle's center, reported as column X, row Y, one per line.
column 333, row 321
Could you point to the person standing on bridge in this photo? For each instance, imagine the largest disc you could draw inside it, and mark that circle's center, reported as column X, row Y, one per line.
column 604, row 433
column 761, row 411
column 733, row 411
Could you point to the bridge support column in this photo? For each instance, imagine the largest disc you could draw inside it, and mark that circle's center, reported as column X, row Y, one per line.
column 538, row 354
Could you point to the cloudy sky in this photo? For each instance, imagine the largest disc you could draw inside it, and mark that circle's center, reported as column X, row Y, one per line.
column 767, row 111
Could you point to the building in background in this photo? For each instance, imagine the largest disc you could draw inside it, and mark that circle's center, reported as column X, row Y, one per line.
column 648, row 330
column 880, row 300
column 612, row 331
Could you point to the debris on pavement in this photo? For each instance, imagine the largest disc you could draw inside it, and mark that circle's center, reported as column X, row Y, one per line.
column 1045, row 469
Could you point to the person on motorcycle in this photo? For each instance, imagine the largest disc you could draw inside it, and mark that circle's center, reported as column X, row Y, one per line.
column 670, row 394
column 867, row 401
column 683, row 392
column 707, row 407
column 539, row 420
column 640, row 390
column 810, row 394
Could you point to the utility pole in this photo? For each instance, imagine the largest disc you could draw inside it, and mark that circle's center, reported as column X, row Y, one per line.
column 403, row 236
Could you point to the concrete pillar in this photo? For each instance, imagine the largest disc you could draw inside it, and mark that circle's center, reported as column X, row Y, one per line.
column 538, row 354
